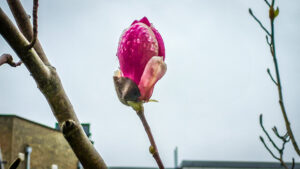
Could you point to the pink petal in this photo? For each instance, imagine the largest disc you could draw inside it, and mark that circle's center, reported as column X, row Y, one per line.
column 154, row 70
column 134, row 22
column 161, row 46
column 137, row 45
column 145, row 21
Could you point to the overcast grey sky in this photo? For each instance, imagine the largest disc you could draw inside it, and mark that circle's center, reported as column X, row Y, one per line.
column 210, row 98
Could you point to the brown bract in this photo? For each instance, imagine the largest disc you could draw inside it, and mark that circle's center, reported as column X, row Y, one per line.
column 126, row 89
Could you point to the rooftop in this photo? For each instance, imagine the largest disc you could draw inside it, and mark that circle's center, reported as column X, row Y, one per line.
column 233, row 164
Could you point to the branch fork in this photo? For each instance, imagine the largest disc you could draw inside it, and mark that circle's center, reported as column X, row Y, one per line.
column 285, row 139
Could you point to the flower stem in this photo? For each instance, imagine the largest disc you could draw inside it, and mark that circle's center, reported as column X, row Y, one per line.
column 153, row 148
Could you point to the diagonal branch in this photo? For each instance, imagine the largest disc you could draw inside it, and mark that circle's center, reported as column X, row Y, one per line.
column 25, row 27
column 263, row 141
column 267, row 2
column 50, row 85
column 258, row 21
column 267, row 134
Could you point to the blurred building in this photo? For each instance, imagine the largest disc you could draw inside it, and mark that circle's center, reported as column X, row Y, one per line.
column 44, row 147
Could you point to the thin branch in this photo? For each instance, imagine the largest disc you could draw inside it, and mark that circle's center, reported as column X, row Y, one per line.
column 25, row 27
column 268, row 70
column 266, row 1
column 35, row 24
column 7, row 58
column 267, row 134
column 153, row 148
column 258, row 21
column 279, row 87
column 263, row 141
column 277, row 134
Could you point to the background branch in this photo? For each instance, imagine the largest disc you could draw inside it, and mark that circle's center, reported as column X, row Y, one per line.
column 267, row 134
column 272, row 15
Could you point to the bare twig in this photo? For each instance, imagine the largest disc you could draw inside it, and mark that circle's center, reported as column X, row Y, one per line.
column 25, row 27
column 153, row 149
column 277, row 134
column 263, row 141
column 268, row 70
column 50, row 85
column 266, row 1
column 259, row 22
column 35, row 24
column 7, row 58
column 267, row 134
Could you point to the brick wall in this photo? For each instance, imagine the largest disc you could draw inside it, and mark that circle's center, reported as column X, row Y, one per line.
column 48, row 145
column 6, row 137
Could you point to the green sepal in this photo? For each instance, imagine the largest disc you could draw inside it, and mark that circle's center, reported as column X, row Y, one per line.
column 153, row 100
column 137, row 106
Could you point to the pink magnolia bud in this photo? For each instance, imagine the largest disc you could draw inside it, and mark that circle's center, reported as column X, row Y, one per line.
column 141, row 55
